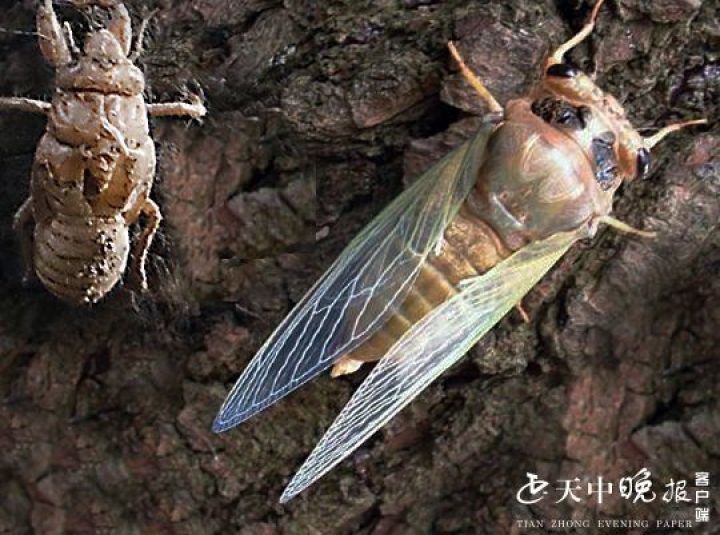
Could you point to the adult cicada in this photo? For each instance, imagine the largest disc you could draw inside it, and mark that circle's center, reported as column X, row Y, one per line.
column 452, row 255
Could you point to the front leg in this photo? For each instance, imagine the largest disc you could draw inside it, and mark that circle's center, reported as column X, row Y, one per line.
column 53, row 44
column 139, row 40
column 151, row 210
column 23, row 223
column 194, row 109
column 24, row 104
column 119, row 25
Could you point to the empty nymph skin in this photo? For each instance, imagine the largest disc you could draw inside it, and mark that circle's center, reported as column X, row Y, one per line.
column 94, row 167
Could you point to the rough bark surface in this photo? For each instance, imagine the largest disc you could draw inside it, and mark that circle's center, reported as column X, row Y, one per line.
column 318, row 111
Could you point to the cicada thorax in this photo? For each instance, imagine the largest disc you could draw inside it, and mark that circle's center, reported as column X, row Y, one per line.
column 470, row 247
column 548, row 170
column 542, row 174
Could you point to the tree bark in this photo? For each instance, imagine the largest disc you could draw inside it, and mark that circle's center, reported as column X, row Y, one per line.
column 317, row 113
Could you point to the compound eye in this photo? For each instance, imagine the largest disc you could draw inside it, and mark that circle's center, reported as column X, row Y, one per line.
column 561, row 70
column 643, row 163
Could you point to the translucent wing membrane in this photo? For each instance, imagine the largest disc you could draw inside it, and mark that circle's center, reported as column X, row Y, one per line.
column 426, row 350
column 361, row 289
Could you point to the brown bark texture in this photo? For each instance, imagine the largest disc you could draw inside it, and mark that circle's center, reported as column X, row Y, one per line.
column 318, row 112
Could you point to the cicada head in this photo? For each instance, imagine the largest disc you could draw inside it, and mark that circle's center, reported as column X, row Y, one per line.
column 614, row 143
column 104, row 64
column 571, row 98
column 602, row 122
column 103, row 46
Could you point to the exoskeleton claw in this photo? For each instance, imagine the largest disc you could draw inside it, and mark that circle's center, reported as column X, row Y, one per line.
column 52, row 40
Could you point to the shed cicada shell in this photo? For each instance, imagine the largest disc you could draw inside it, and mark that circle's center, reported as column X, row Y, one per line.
column 94, row 167
column 440, row 266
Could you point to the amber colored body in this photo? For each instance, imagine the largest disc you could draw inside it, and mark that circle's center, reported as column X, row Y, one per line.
column 94, row 167
column 552, row 164
column 537, row 180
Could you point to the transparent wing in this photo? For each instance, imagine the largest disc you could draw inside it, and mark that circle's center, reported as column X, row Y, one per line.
column 361, row 289
column 426, row 350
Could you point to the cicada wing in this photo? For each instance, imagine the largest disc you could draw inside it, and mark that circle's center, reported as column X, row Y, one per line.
column 426, row 350
column 361, row 290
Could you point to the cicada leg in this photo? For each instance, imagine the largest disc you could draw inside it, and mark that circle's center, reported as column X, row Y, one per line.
column 557, row 56
column 523, row 313
column 345, row 366
column 475, row 82
column 624, row 227
column 650, row 142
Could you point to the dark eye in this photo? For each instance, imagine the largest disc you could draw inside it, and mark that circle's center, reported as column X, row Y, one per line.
column 566, row 117
column 643, row 163
column 561, row 70
column 585, row 114
column 607, row 137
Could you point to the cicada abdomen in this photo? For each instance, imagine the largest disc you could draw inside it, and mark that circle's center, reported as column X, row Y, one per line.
column 469, row 247
column 452, row 255
column 80, row 258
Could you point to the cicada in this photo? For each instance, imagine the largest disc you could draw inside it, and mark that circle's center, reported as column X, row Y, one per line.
column 443, row 263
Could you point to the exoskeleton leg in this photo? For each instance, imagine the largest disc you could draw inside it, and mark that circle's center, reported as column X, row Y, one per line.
column 53, row 44
column 139, row 40
column 24, row 104
column 150, row 210
column 23, row 227
column 120, row 24
column 70, row 37
column 476, row 83
column 194, row 109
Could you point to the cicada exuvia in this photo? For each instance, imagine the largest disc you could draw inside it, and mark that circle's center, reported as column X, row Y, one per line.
column 94, row 168
column 440, row 266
